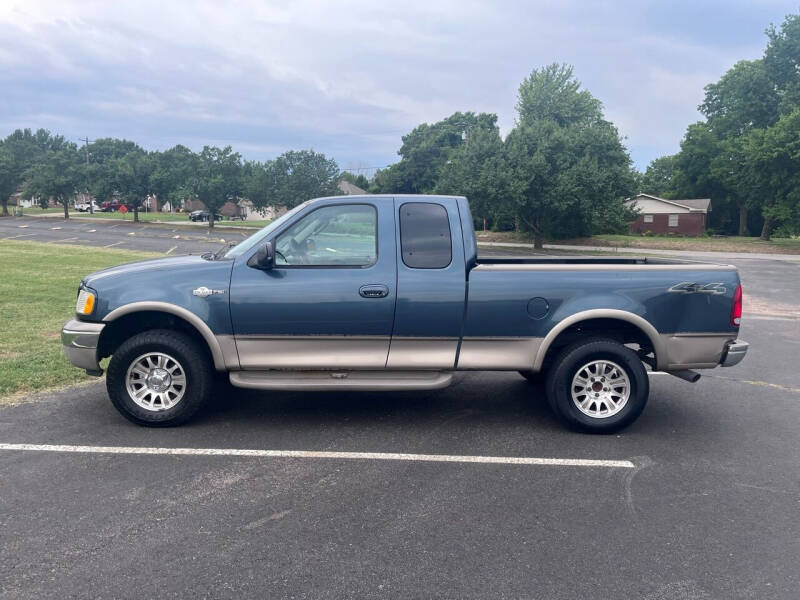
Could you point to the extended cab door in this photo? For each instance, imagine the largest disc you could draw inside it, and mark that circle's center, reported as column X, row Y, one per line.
column 431, row 284
column 329, row 300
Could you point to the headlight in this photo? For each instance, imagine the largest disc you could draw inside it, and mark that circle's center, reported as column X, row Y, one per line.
column 85, row 304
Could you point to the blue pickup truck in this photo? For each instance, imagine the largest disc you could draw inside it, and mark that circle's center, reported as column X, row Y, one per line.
column 388, row 293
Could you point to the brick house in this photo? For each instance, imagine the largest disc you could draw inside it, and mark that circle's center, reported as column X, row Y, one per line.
column 662, row 216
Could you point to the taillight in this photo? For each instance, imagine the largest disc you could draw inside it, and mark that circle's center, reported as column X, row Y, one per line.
column 736, row 311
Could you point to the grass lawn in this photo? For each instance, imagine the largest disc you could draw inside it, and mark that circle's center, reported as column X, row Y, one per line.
column 661, row 242
column 704, row 244
column 38, row 287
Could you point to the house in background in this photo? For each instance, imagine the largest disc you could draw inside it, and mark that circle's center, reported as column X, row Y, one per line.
column 662, row 216
column 349, row 189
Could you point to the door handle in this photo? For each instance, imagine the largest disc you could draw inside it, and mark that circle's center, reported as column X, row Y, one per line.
column 373, row 290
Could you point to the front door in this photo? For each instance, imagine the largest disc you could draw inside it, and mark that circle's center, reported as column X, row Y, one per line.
column 329, row 301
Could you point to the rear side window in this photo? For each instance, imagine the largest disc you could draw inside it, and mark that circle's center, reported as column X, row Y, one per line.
column 425, row 235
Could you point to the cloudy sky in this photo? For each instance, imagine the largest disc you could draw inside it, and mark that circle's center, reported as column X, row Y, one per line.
column 349, row 78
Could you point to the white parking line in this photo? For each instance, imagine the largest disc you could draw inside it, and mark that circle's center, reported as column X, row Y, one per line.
column 114, row 244
column 21, row 235
column 500, row 460
column 171, row 249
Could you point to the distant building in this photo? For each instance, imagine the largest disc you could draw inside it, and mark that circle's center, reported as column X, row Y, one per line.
column 662, row 216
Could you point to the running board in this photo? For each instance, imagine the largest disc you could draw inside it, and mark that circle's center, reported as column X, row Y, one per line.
column 320, row 381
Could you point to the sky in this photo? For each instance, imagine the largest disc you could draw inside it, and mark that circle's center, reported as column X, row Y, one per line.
column 349, row 78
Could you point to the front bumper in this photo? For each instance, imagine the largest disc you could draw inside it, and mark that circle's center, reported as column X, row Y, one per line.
column 80, row 341
column 734, row 353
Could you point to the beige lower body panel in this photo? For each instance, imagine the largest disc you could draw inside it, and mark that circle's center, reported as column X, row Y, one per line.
column 422, row 353
column 314, row 352
column 498, row 354
column 694, row 351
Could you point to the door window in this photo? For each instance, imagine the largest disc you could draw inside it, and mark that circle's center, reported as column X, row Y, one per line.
column 342, row 235
column 425, row 235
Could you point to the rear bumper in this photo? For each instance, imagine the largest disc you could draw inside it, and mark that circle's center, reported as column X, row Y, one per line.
column 734, row 353
column 80, row 341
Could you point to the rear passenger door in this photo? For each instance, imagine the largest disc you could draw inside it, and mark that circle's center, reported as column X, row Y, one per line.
column 431, row 284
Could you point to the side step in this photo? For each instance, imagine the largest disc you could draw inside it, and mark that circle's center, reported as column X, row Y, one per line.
column 319, row 381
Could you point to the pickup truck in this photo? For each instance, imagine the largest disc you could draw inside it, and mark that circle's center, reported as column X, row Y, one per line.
column 381, row 292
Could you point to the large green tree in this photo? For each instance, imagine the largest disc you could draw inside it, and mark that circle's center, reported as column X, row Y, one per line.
column 172, row 175
column 426, row 150
column 292, row 178
column 567, row 169
column 21, row 150
column 657, row 179
column 131, row 175
column 476, row 169
column 58, row 175
column 218, row 178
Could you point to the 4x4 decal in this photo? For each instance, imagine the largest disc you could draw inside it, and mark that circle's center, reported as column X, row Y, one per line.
column 690, row 287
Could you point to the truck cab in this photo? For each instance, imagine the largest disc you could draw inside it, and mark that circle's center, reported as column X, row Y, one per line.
column 387, row 293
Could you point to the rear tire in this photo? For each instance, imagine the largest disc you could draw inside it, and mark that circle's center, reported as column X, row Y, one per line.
column 597, row 386
column 159, row 378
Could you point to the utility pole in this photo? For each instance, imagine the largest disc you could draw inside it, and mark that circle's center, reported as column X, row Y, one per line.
column 91, row 201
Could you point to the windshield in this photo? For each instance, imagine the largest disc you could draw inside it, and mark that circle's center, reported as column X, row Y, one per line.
column 258, row 236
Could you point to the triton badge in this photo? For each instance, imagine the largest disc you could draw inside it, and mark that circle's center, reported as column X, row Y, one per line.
column 204, row 292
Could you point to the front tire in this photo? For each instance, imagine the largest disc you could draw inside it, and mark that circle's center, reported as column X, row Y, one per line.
column 597, row 386
column 159, row 378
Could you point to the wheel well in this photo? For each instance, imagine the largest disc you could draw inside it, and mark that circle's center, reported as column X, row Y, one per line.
column 126, row 326
column 615, row 329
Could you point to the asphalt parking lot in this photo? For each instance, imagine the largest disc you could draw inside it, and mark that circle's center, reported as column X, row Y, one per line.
column 126, row 235
column 698, row 499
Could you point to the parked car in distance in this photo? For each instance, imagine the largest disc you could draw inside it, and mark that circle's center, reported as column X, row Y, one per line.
column 379, row 292
column 113, row 205
column 203, row 215
column 84, row 206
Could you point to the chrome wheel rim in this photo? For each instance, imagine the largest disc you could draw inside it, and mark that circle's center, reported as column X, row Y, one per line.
column 156, row 381
column 600, row 389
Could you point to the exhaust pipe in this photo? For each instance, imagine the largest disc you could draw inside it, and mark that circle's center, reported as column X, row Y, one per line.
column 687, row 375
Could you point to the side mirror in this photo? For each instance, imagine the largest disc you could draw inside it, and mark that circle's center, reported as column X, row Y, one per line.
column 264, row 259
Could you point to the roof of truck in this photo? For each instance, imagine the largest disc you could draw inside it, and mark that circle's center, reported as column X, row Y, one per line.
column 389, row 196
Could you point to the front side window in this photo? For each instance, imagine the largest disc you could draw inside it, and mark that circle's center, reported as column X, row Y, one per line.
column 343, row 235
column 425, row 235
column 648, row 218
column 673, row 220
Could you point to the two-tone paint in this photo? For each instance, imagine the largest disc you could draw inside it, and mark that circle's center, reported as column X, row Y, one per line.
column 488, row 314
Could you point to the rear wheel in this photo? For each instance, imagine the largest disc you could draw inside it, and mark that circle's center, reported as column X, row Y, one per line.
column 597, row 386
column 159, row 378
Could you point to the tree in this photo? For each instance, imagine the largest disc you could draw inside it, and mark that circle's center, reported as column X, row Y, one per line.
column 8, row 177
column 130, row 176
column 743, row 99
column 657, row 180
column 22, row 149
column 772, row 164
column 218, row 179
column 58, row 176
column 425, row 151
column 292, row 178
column 782, row 61
column 476, row 169
column 172, row 175
column 102, row 175
column 566, row 166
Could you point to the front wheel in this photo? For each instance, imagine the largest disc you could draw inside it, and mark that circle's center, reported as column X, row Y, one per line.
column 597, row 386
column 159, row 378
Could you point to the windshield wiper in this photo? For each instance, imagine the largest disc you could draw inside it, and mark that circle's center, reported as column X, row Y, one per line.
column 219, row 253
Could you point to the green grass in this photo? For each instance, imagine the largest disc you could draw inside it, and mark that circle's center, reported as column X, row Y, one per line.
column 38, row 286
column 703, row 243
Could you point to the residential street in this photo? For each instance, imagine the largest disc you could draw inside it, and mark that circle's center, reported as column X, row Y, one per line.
column 709, row 509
